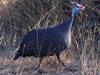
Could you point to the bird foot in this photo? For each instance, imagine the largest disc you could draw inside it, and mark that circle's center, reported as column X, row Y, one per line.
column 63, row 64
column 39, row 69
column 71, row 68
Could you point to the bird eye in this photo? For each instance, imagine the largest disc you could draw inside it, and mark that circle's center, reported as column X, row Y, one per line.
column 77, row 6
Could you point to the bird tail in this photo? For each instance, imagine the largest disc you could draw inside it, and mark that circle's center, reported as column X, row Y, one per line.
column 16, row 55
column 18, row 52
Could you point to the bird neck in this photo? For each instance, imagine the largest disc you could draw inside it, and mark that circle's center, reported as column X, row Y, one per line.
column 70, row 23
column 66, row 26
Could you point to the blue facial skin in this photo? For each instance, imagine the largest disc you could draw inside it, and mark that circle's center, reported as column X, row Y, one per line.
column 75, row 10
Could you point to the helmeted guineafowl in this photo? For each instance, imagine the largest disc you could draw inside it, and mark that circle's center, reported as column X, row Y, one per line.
column 49, row 41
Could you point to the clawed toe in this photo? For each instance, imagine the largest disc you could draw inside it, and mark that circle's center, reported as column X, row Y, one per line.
column 71, row 68
column 41, row 71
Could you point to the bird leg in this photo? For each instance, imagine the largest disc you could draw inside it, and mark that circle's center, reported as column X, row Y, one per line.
column 39, row 68
column 39, row 65
column 58, row 57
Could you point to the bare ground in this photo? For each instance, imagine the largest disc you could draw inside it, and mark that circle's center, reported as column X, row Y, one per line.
column 50, row 66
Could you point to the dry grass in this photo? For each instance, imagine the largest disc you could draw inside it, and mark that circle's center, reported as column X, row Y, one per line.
column 17, row 17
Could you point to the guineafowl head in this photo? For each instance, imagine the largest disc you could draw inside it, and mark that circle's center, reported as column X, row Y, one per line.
column 76, row 9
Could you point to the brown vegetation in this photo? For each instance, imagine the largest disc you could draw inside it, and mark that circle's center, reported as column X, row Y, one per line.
column 17, row 17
